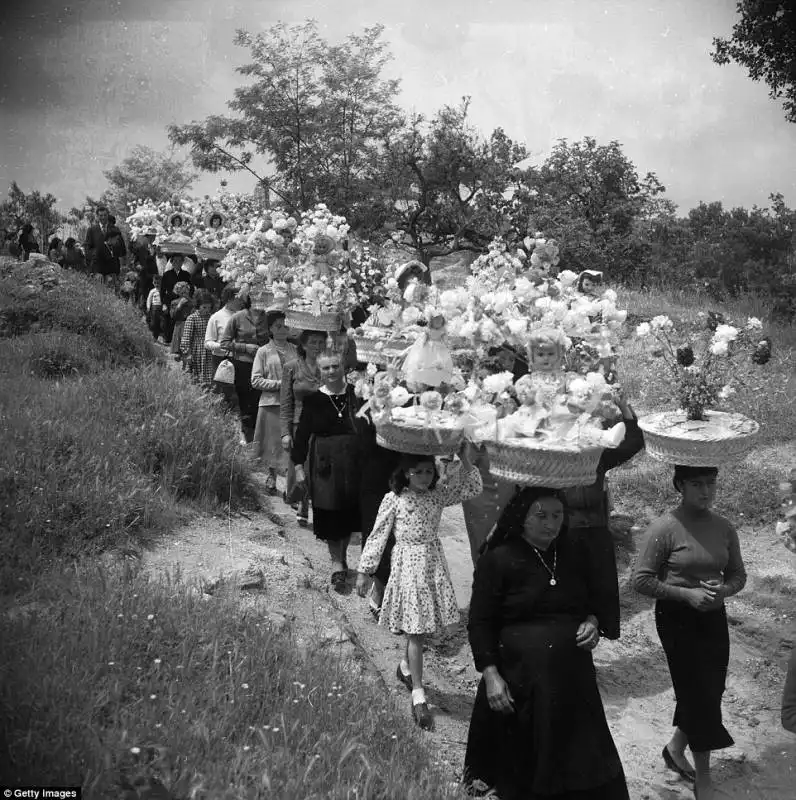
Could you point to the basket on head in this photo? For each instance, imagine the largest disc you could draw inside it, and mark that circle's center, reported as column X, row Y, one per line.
column 418, row 438
column 722, row 436
column 176, row 247
column 330, row 322
column 379, row 350
column 534, row 462
column 210, row 253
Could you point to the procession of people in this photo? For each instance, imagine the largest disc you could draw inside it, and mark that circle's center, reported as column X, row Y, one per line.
column 375, row 443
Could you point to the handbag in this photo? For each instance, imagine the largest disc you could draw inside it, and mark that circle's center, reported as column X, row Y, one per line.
column 225, row 372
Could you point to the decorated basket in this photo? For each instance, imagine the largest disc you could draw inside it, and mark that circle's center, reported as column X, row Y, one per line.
column 535, row 462
column 670, row 436
column 379, row 350
column 416, row 436
column 330, row 321
column 178, row 246
column 210, row 253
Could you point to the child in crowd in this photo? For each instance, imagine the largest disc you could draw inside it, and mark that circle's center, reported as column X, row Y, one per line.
column 153, row 308
column 195, row 358
column 129, row 289
column 419, row 598
column 179, row 310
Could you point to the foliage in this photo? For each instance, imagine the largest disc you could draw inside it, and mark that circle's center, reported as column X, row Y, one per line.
column 318, row 112
column 146, row 174
column 34, row 207
column 590, row 198
column 131, row 685
column 445, row 185
column 99, row 442
column 764, row 41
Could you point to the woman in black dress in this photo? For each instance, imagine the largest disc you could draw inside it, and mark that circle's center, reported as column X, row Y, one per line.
column 538, row 728
column 331, row 439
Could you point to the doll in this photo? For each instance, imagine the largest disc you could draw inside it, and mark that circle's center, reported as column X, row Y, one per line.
column 323, row 256
column 546, row 350
column 428, row 361
column 530, row 417
column 590, row 282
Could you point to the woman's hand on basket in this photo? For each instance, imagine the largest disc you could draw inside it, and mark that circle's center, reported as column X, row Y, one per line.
column 363, row 583
column 588, row 634
column 497, row 692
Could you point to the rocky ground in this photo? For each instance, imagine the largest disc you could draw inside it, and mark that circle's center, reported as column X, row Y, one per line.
column 283, row 572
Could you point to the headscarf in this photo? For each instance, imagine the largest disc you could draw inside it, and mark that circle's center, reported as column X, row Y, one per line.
column 512, row 520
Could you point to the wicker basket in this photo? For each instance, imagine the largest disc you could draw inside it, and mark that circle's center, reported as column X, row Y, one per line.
column 533, row 462
column 330, row 322
column 671, row 437
column 183, row 248
column 416, row 437
column 369, row 353
column 210, row 253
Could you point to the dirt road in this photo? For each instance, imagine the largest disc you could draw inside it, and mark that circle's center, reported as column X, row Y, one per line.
column 289, row 569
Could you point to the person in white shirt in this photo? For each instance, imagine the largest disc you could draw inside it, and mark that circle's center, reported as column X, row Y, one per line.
column 153, row 307
column 231, row 304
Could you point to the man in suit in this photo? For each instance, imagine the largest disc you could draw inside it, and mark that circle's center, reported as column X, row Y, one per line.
column 104, row 246
column 144, row 254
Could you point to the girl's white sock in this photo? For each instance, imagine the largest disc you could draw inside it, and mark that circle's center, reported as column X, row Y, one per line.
column 405, row 667
column 418, row 696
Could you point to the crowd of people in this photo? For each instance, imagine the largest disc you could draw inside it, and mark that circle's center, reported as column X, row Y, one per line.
column 545, row 587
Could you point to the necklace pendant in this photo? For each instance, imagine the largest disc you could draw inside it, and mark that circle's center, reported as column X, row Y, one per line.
column 339, row 415
column 553, row 581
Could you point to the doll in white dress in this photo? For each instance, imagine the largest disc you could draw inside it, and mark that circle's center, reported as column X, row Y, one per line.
column 428, row 362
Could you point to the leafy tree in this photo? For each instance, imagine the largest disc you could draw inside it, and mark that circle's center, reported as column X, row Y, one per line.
column 445, row 187
column 591, row 198
column 317, row 112
column 764, row 41
column 34, row 207
column 145, row 174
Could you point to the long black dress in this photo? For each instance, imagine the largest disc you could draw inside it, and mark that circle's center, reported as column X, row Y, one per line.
column 331, row 437
column 557, row 743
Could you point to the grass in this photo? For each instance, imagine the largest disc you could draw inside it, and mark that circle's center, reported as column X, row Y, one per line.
column 101, row 441
column 126, row 681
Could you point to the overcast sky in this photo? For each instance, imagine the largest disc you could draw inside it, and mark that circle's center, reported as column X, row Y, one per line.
column 82, row 82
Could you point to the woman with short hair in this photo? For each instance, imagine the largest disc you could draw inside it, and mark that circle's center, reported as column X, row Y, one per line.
column 690, row 562
column 538, row 726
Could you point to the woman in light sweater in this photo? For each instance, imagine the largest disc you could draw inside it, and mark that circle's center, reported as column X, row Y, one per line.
column 267, row 377
column 230, row 305
column 690, row 562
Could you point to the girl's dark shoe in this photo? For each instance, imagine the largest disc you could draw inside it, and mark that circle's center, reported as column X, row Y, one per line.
column 685, row 774
column 406, row 680
column 339, row 580
column 423, row 716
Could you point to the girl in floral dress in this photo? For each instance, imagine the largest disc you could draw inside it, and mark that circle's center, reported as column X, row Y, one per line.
column 419, row 598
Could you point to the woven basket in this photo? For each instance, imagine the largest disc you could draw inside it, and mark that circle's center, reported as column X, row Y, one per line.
column 367, row 351
column 531, row 462
column 175, row 246
column 417, row 438
column 330, row 322
column 210, row 253
column 671, row 437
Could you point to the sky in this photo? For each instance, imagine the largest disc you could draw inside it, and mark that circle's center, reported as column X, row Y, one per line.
column 83, row 82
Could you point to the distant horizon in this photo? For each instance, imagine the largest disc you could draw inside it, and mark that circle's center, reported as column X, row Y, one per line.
column 82, row 84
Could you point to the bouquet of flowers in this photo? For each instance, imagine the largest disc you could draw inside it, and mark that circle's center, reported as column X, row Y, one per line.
column 704, row 367
column 319, row 239
column 221, row 216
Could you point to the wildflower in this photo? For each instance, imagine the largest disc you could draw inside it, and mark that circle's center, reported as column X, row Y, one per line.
column 719, row 348
column 661, row 323
column 150, row 617
column 275, row 730
column 135, row 751
column 153, row 697
column 156, row 662
column 111, row 663
column 726, row 392
column 727, row 333
column 643, row 329
column 244, row 686
column 754, row 324
column 246, row 747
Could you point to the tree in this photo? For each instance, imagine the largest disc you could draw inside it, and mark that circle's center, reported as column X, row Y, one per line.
column 36, row 208
column 446, row 188
column 764, row 41
column 317, row 113
column 146, row 174
column 591, row 199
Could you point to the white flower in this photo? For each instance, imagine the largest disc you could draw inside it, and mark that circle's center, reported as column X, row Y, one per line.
column 726, row 392
column 496, row 384
column 567, row 277
column 754, row 324
column 726, row 333
column 372, row 369
column 644, row 329
column 661, row 323
column 517, row 326
column 719, row 348
column 399, row 396
column 608, row 294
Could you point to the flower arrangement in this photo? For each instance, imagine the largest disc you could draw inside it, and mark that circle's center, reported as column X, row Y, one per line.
column 703, row 367
column 319, row 239
column 222, row 216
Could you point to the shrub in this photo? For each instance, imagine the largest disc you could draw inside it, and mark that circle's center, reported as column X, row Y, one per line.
column 124, row 681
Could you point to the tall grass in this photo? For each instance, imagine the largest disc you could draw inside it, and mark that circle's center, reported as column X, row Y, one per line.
column 125, row 682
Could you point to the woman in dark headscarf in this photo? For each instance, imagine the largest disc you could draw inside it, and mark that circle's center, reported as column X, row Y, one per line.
column 538, row 728
column 689, row 562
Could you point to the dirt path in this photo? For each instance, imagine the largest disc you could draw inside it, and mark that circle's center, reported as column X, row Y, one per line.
column 282, row 571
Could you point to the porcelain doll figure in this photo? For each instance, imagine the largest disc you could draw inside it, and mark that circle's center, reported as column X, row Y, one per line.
column 546, row 350
column 530, row 416
column 590, row 282
column 428, row 361
column 323, row 256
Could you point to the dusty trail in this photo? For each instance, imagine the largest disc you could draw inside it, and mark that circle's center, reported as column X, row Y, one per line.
column 286, row 576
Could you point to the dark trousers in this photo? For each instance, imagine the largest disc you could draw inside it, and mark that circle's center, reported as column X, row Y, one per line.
column 697, row 647
column 154, row 320
column 248, row 398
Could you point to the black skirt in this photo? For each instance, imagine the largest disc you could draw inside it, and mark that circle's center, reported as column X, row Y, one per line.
column 697, row 647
